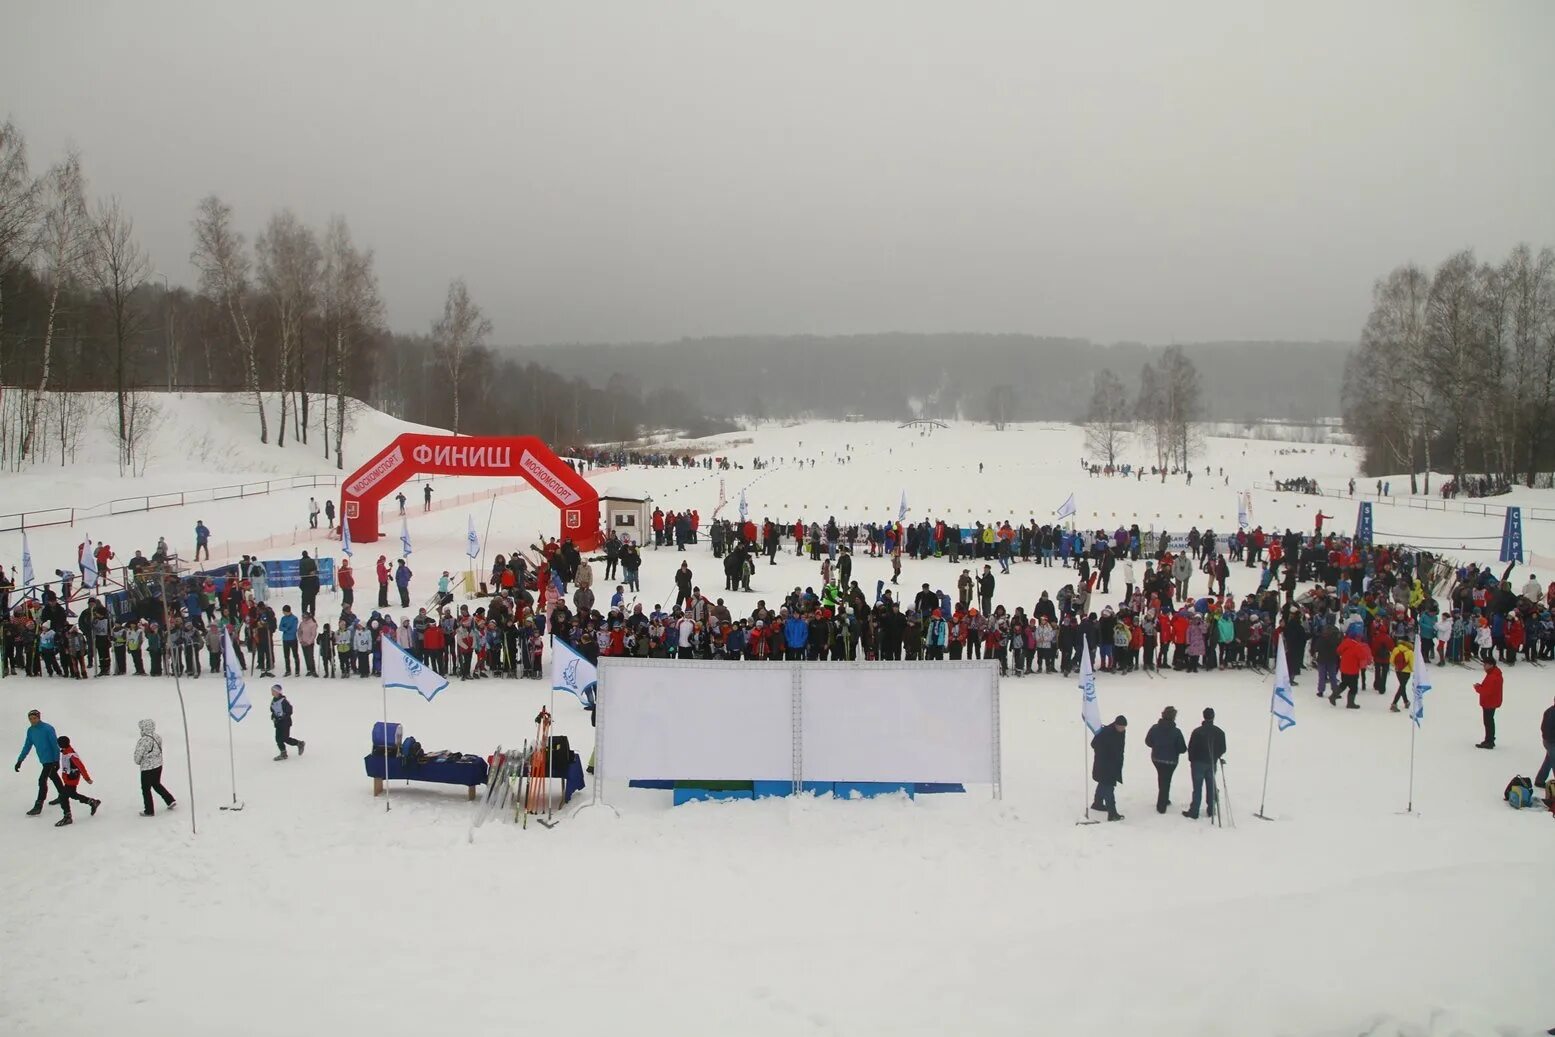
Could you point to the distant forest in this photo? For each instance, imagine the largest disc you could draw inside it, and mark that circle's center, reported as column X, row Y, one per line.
column 899, row 375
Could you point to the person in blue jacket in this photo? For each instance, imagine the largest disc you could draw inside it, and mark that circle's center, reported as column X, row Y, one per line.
column 796, row 634
column 288, row 627
column 42, row 740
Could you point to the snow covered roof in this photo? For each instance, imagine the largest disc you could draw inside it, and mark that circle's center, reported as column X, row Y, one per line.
column 615, row 493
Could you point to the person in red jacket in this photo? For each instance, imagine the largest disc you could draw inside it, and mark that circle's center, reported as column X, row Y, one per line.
column 383, row 582
column 1354, row 656
column 71, row 771
column 1381, row 652
column 1489, row 701
column 345, row 579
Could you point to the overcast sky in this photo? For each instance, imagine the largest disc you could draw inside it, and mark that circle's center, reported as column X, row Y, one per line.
column 644, row 170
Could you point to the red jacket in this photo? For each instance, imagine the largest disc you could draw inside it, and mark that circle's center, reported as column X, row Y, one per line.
column 383, row 571
column 432, row 638
column 1490, row 689
column 71, row 769
column 1354, row 656
column 345, row 576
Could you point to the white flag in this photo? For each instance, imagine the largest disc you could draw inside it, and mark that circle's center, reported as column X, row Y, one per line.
column 1422, row 682
column 743, row 509
column 404, row 539
column 1241, row 511
column 1282, row 703
column 1066, row 509
column 901, row 509
column 345, row 536
column 401, row 670
column 1090, row 708
column 27, row 574
column 472, row 545
column 88, row 565
column 237, row 688
column 570, row 671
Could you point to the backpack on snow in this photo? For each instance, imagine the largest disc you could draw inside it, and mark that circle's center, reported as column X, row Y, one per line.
column 1519, row 793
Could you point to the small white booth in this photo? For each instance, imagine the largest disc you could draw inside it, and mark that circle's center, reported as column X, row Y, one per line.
column 627, row 514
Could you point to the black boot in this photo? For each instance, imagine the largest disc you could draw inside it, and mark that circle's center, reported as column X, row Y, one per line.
column 62, row 822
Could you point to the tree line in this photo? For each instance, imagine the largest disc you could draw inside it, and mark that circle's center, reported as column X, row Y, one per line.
column 1456, row 368
column 290, row 317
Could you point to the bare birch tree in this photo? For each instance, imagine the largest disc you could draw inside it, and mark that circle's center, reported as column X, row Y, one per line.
column 352, row 310
column 1107, row 418
column 1451, row 344
column 289, row 273
column 64, row 242
column 222, row 261
column 116, row 267
column 462, row 329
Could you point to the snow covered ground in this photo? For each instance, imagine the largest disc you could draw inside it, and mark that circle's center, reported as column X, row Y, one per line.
column 316, row 911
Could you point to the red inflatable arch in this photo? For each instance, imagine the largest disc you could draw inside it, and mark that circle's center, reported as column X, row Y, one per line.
column 503, row 457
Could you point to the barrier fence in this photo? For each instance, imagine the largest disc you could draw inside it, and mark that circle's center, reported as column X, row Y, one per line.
column 21, row 520
column 1443, row 504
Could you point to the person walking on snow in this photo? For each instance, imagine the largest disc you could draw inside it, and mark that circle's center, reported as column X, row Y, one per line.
column 313, row 513
column 71, row 771
column 42, row 740
column 401, row 498
column 1166, row 746
column 148, row 757
column 1489, row 700
column 281, row 716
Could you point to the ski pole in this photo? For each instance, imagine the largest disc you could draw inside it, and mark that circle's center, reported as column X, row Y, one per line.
column 1225, row 780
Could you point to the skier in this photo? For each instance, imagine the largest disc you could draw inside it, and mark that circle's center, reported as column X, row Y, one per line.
column 426, row 497
column 1166, row 748
column 1107, row 768
column 148, row 757
column 281, row 716
column 400, row 497
column 1206, row 750
column 1489, row 700
column 42, row 740
column 71, row 771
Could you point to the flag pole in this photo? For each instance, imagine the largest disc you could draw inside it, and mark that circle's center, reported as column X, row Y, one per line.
column 232, row 760
column 182, row 709
column 383, row 686
column 487, row 539
column 1410, row 809
column 1263, row 797
column 1085, row 778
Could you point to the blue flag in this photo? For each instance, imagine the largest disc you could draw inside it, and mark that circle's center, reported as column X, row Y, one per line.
column 1283, row 703
column 570, row 671
column 401, row 670
column 345, row 537
column 1422, row 683
column 237, row 688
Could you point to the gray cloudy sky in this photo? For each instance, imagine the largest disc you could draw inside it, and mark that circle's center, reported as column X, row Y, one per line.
column 635, row 170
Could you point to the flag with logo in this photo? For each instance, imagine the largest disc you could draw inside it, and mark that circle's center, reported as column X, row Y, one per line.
column 88, row 565
column 345, row 536
column 570, row 671
column 402, row 671
column 404, row 539
column 1066, row 509
column 27, row 574
column 1241, row 511
column 1283, row 703
column 743, row 509
column 901, row 509
column 1090, row 707
column 1422, row 683
column 472, row 544
column 237, row 688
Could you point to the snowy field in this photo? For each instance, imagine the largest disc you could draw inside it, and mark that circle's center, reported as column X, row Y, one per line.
column 315, row 911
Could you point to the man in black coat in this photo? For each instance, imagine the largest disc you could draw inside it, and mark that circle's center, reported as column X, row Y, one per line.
column 1107, row 766
column 1206, row 748
column 1547, row 735
column 1166, row 748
